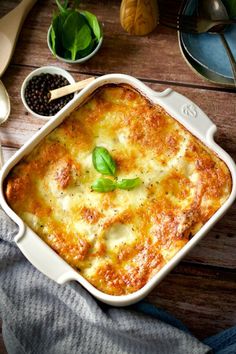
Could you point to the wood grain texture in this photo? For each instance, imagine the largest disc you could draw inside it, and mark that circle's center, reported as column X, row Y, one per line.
column 201, row 290
column 203, row 298
column 2, row 346
column 156, row 56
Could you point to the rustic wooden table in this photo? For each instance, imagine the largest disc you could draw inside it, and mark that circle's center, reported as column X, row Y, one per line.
column 201, row 291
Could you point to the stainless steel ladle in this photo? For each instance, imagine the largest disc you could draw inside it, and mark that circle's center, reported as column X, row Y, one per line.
column 5, row 108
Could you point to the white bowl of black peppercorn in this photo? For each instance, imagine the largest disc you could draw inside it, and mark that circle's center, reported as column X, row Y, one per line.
column 35, row 91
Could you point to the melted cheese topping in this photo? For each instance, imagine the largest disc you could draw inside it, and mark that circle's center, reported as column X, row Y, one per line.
column 118, row 240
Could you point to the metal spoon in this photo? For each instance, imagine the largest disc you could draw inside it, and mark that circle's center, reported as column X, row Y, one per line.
column 5, row 109
column 215, row 10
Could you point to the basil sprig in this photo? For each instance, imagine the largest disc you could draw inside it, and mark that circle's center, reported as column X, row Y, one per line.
column 103, row 162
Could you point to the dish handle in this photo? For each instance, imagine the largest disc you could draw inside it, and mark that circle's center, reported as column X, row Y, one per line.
column 187, row 113
column 43, row 257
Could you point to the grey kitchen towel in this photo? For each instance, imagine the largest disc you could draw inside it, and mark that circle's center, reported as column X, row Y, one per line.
column 39, row 316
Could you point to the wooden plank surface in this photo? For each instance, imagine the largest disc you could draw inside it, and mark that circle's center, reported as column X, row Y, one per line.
column 156, row 56
column 201, row 290
column 203, row 298
column 2, row 346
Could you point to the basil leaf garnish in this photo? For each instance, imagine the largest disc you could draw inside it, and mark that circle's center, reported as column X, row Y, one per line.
column 103, row 162
column 103, row 185
column 128, row 183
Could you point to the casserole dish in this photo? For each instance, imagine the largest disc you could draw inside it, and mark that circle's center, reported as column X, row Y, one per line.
column 188, row 115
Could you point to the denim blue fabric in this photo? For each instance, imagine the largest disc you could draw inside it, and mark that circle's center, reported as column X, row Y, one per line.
column 162, row 315
column 222, row 343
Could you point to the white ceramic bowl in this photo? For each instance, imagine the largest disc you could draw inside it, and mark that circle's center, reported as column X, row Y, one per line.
column 77, row 61
column 46, row 70
column 49, row 262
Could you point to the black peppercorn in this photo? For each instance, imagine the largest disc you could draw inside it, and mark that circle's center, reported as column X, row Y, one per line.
column 37, row 94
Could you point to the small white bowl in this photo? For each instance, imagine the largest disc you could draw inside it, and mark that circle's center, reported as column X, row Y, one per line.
column 70, row 61
column 43, row 70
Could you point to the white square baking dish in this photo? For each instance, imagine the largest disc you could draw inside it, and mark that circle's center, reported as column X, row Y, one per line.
column 179, row 107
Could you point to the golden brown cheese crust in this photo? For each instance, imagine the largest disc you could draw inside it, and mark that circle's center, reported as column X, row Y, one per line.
column 118, row 240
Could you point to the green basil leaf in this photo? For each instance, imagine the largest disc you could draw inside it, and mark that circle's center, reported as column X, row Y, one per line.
column 53, row 39
column 56, row 32
column 83, row 37
column 128, row 183
column 103, row 162
column 103, row 185
column 66, row 54
column 93, row 23
column 83, row 53
column 76, row 34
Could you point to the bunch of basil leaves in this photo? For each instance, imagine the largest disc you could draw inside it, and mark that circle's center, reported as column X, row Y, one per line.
column 74, row 33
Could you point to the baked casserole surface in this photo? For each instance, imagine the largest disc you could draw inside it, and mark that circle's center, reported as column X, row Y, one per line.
column 118, row 240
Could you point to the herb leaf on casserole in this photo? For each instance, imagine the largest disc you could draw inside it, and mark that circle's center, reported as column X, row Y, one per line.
column 103, row 162
column 103, row 185
column 128, row 184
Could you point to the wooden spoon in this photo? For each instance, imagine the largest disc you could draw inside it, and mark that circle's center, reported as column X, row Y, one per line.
column 66, row 90
column 10, row 26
